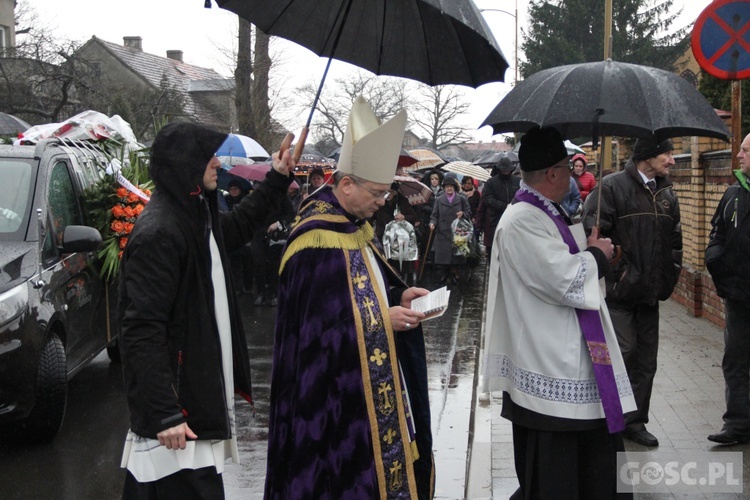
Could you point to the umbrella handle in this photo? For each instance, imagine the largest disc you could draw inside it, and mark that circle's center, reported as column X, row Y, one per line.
column 286, row 143
column 300, row 146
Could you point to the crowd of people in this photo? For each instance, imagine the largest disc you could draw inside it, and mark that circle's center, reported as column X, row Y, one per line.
column 575, row 282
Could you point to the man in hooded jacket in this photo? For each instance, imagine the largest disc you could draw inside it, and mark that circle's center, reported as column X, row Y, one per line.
column 183, row 348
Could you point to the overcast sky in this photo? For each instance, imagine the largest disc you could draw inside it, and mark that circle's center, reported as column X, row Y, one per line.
column 207, row 38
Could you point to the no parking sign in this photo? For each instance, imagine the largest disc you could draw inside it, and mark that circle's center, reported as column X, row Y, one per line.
column 721, row 39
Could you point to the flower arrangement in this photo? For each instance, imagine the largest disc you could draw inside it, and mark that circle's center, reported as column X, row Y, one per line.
column 114, row 204
column 463, row 234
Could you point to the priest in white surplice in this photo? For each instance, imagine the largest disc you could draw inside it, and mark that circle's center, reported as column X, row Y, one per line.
column 550, row 345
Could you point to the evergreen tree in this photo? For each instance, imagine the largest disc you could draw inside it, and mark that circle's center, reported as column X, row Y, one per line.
column 572, row 31
column 719, row 94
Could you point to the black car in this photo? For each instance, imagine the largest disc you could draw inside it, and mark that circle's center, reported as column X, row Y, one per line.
column 54, row 308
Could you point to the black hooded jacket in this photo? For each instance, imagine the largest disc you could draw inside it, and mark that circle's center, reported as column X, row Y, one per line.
column 169, row 338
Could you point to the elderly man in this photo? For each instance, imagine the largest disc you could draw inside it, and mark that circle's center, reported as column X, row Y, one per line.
column 728, row 261
column 640, row 212
column 349, row 414
column 551, row 348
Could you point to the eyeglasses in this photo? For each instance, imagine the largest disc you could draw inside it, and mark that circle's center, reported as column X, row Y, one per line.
column 376, row 194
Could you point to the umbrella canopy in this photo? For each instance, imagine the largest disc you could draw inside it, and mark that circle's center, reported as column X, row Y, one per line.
column 494, row 158
column 436, row 42
column 12, row 125
column 466, row 168
column 607, row 98
column 427, row 158
column 224, row 177
column 251, row 171
column 242, row 146
column 414, row 191
column 573, row 149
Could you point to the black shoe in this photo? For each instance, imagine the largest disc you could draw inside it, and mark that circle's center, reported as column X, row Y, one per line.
column 258, row 301
column 728, row 437
column 641, row 437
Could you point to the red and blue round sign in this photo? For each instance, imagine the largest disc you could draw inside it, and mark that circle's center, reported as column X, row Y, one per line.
column 721, row 39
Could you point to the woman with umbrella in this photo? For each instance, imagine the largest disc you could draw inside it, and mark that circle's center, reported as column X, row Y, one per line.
column 449, row 206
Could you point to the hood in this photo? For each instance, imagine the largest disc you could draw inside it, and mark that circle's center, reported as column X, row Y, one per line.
column 18, row 262
column 179, row 156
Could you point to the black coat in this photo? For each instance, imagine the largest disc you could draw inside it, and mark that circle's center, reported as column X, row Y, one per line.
column 169, row 338
column 497, row 194
column 728, row 251
column 647, row 227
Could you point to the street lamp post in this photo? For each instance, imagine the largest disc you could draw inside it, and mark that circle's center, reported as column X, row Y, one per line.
column 515, row 17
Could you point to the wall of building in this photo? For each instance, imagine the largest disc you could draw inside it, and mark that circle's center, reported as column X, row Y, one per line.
column 700, row 176
column 8, row 23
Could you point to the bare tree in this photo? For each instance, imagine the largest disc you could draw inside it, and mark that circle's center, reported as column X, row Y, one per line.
column 437, row 112
column 386, row 95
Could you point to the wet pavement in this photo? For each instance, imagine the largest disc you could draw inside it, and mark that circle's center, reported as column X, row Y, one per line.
column 83, row 461
column 686, row 406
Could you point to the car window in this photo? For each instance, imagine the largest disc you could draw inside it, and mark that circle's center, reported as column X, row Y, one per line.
column 15, row 183
column 62, row 202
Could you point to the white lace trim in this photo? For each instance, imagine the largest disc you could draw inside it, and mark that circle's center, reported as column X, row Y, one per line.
column 547, row 202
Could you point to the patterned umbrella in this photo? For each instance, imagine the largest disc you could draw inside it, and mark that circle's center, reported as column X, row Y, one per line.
column 414, row 191
column 466, row 168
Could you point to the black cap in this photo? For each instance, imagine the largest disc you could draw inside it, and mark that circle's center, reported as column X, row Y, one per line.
column 541, row 148
column 649, row 148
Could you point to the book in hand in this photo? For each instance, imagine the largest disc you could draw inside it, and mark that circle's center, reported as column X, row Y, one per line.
column 433, row 304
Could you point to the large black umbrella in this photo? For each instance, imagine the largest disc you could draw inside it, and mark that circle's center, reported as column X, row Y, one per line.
column 607, row 98
column 12, row 125
column 436, row 42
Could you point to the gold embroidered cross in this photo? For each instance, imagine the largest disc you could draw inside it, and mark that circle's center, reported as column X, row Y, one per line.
column 396, row 475
column 360, row 281
column 378, row 357
column 388, row 437
column 368, row 304
column 385, row 387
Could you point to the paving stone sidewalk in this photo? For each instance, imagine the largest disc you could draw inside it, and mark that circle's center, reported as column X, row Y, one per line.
column 686, row 406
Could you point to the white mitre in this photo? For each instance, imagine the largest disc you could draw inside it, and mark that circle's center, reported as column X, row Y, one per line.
column 370, row 150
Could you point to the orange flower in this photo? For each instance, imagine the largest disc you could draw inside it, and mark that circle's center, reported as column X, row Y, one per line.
column 129, row 212
column 122, row 192
column 117, row 211
column 123, row 242
column 119, row 254
column 138, row 209
column 133, row 198
column 128, row 227
column 117, row 227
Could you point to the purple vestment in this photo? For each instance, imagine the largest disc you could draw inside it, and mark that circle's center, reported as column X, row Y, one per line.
column 338, row 423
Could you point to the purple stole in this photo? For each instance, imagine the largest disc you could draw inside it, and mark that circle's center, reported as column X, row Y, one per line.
column 591, row 326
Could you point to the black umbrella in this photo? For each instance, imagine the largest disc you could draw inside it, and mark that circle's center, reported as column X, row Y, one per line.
column 494, row 158
column 432, row 41
column 607, row 98
column 12, row 125
column 436, row 42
